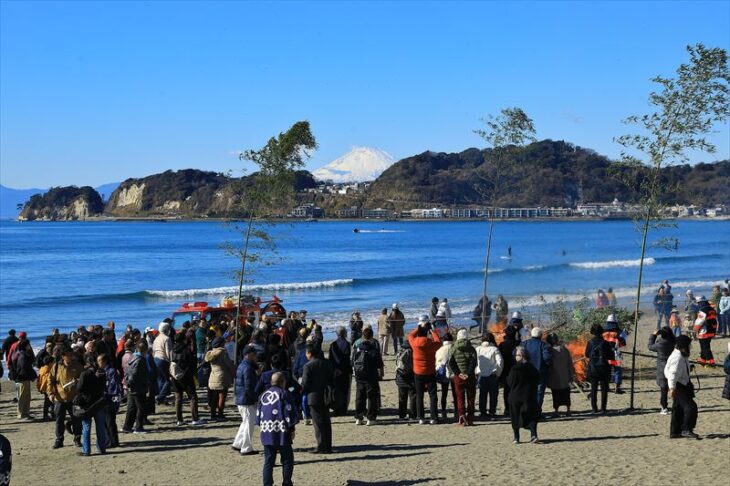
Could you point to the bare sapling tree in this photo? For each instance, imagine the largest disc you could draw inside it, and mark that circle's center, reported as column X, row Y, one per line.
column 510, row 129
column 267, row 194
column 685, row 111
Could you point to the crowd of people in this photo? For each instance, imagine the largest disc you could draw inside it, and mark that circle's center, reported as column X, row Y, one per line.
column 281, row 374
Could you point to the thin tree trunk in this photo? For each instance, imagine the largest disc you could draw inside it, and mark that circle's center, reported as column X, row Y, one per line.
column 240, row 283
column 485, row 301
column 638, row 304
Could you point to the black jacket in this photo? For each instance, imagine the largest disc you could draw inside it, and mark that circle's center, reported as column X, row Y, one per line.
column 90, row 387
column 374, row 360
column 507, row 350
column 186, row 361
column 317, row 376
column 522, row 380
column 595, row 370
column 24, row 367
column 137, row 377
column 663, row 348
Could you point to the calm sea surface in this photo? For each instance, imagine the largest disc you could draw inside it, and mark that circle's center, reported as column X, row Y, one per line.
column 67, row 274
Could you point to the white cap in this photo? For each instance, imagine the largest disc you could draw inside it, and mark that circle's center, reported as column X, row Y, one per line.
column 163, row 326
column 536, row 332
column 611, row 318
column 517, row 315
column 395, row 306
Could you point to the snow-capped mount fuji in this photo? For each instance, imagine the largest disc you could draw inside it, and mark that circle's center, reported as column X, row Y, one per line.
column 361, row 164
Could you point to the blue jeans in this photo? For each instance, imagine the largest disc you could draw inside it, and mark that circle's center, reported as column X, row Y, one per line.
column 540, row 394
column 163, row 381
column 287, row 464
column 305, row 407
column 100, row 427
column 724, row 323
column 618, row 374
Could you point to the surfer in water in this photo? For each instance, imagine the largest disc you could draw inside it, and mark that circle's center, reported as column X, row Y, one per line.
column 509, row 251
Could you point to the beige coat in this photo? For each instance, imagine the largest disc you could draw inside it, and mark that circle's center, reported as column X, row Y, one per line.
column 221, row 369
column 383, row 325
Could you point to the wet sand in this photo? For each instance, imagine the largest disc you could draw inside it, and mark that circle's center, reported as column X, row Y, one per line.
column 618, row 448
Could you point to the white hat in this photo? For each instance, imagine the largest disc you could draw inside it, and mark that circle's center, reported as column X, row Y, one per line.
column 148, row 330
column 163, row 327
column 611, row 318
column 423, row 319
column 517, row 315
column 441, row 312
column 536, row 332
column 395, row 306
column 462, row 334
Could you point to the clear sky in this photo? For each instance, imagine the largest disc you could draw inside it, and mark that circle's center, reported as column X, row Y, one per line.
column 95, row 92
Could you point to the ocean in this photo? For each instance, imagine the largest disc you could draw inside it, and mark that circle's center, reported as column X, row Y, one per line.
column 70, row 274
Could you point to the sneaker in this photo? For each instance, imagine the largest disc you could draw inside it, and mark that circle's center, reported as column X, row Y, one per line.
column 57, row 445
column 688, row 434
column 358, row 421
column 139, row 431
column 421, row 422
column 126, row 431
column 534, row 440
column 434, row 422
column 664, row 411
column 370, row 422
column 197, row 422
column 515, row 441
column 180, row 423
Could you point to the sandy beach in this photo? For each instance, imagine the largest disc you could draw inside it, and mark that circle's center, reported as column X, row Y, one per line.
column 618, row 448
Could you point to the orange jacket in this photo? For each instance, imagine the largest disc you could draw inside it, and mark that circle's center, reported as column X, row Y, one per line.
column 424, row 352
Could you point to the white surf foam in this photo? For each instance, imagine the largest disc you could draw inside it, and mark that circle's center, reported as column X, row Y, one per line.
column 246, row 288
column 612, row 264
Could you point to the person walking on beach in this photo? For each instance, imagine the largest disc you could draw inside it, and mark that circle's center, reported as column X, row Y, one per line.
column 182, row 374
column 113, row 395
column 90, row 398
column 162, row 352
column 277, row 419
column 723, row 313
column 611, row 296
column 62, row 390
column 137, row 378
column 599, row 354
column 339, row 356
column 356, row 325
column 316, row 378
column 662, row 342
column 523, row 379
column 384, row 330
column 489, row 369
column 220, row 380
column 684, row 408
column 424, row 345
column 560, row 374
column 506, row 349
column 434, row 309
column 246, row 400
column 463, row 363
column 368, row 367
column 397, row 322
column 24, row 375
column 705, row 326
column 614, row 336
column 540, row 357
column 405, row 383
column 444, row 374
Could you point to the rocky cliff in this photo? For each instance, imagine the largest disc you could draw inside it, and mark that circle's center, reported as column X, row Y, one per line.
column 185, row 193
column 63, row 204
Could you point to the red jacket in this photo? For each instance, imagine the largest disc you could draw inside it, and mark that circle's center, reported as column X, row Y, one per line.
column 424, row 352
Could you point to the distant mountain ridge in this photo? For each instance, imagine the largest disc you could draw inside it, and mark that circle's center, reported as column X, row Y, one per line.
column 361, row 164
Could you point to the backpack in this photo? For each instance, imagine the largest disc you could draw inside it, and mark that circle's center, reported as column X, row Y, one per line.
column 404, row 362
column 598, row 361
column 361, row 364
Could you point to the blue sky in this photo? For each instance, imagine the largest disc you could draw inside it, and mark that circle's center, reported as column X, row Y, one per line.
column 95, row 92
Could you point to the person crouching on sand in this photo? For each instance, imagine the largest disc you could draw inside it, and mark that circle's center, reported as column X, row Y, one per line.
column 523, row 379
column 277, row 419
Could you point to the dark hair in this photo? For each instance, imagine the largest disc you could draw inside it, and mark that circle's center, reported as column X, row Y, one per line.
column 489, row 338
column 447, row 337
column 367, row 333
column 274, row 339
column 11, row 332
column 103, row 357
column 666, row 333
column 552, row 339
column 311, row 349
column 47, row 360
column 596, row 329
column 180, row 337
column 276, row 360
column 510, row 331
column 435, row 299
column 142, row 346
